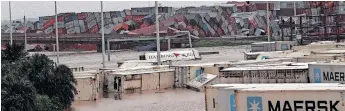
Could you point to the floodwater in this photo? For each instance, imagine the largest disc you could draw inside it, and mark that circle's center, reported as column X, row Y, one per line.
column 168, row 100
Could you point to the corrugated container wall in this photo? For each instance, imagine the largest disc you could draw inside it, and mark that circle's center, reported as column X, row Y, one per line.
column 327, row 73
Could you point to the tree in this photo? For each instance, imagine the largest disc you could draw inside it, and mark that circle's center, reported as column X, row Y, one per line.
column 33, row 75
column 55, row 82
column 13, row 52
column 17, row 94
column 44, row 103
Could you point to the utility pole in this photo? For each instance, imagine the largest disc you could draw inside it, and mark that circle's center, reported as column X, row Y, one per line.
column 11, row 39
column 56, row 36
column 25, row 40
column 103, row 40
column 157, row 35
column 295, row 13
column 268, row 23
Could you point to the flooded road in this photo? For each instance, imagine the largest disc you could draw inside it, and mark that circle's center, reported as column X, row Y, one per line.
column 169, row 100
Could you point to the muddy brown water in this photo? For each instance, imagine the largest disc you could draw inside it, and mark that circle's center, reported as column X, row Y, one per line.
column 167, row 100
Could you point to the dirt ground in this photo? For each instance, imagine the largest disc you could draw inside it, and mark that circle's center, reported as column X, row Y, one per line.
column 169, row 100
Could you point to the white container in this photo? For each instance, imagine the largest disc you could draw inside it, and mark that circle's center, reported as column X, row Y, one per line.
column 91, row 23
column 115, row 20
column 120, row 19
column 61, row 24
column 77, row 30
column 107, row 15
column 123, row 14
column 82, row 29
column 267, row 74
column 181, row 54
column 327, row 73
column 76, row 23
column 285, row 45
column 69, row 25
column 316, row 58
column 263, row 46
column 49, row 30
column 71, row 31
column 300, row 99
column 216, row 100
column 90, row 16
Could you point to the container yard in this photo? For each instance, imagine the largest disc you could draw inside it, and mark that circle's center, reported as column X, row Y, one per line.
column 292, row 61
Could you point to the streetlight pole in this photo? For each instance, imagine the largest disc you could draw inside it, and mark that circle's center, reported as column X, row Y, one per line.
column 295, row 13
column 157, row 35
column 25, row 40
column 11, row 39
column 56, row 36
column 268, row 23
column 103, row 40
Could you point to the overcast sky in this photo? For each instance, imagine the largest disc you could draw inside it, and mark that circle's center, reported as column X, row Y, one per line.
column 34, row 9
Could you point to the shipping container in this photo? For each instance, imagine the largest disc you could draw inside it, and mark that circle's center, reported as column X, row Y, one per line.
column 91, row 24
column 327, row 73
column 61, row 19
column 263, row 46
column 123, row 14
column 118, row 13
column 285, row 45
column 268, row 99
column 82, row 16
column 71, row 30
column 133, row 80
column 317, row 58
column 94, row 29
column 185, row 54
column 61, row 24
column 267, row 74
column 69, row 25
column 107, row 15
column 120, row 19
column 215, row 98
column 77, row 30
column 90, row 17
column 89, row 85
column 49, row 30
column 48, row 23
column 62, row 31
column 76, row 23
column 115, row 21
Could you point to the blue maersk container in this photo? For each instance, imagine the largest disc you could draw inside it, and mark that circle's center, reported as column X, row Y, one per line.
column 118, row 13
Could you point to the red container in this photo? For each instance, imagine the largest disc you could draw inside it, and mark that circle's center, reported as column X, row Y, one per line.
column 82, row 16
column 128, row 17
column 62, row 31
column 137, row 18
column 196, row 27
column 49, row 23
column 179, row 18
column 252, row 22
column 94, row 29
column 61, row 18
column 220, row 31
column 201, row 33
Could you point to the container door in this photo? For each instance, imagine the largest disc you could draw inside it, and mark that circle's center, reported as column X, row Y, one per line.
column 117, row 84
